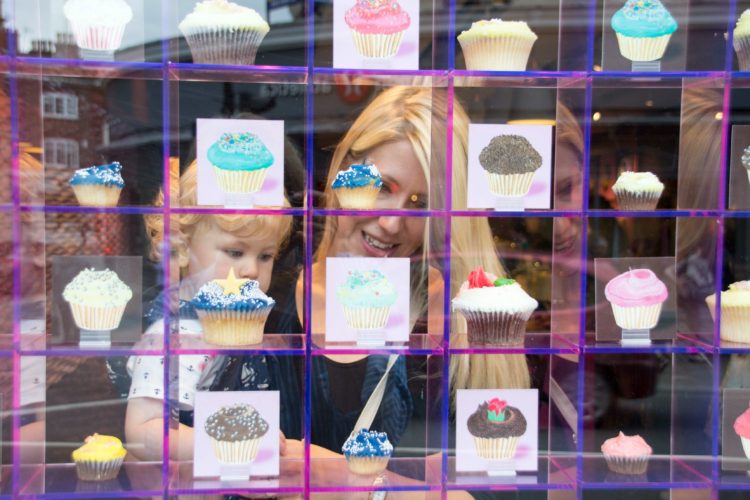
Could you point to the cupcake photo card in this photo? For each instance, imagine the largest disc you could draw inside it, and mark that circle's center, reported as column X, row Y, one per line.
column 367, row 300
column 240, row 162
column 636, row 299
column 735, row 430
column 376, row 34
column 236, row 434
column 739, row 168
column 510, row 166
column 497, row 431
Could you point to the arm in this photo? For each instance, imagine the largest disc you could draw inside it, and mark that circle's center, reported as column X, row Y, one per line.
column 435, row 290
column 144, row 430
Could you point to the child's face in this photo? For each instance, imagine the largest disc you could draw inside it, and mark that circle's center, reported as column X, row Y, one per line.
column 214, row 251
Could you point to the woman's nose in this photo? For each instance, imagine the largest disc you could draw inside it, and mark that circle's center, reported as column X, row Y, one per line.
column 391, row 224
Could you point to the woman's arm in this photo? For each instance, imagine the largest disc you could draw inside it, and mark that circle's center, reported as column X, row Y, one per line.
column 435, row 290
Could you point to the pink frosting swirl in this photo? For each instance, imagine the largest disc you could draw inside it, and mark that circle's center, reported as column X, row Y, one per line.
column 742, row 425
column 626, row 446
column 377, row 17
column 637, row 287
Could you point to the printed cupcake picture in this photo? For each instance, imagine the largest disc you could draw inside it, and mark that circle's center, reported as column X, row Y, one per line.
column 236, row 433
column 496, row 428
column 240, row 162
column 510, row 162
column 636, row 297
column 97, row 299
column 366, row 298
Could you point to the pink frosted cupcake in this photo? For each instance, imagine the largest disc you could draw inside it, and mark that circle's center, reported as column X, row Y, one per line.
column 636, row 297
column 742, row 428
column 627, row 454
column 377, row 27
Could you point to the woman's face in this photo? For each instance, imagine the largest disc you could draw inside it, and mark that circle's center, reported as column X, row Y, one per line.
column 404, row 187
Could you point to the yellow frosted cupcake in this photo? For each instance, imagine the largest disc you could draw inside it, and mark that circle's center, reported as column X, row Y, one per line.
column 741, row 41
column 735, row 312
column 99, row 459
column 497, row 45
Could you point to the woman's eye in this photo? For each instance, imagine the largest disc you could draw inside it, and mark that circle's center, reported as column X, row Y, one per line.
column 419, row 202
column 233, row 253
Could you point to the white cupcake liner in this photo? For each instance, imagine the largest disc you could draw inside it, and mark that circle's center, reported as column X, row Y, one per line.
column 89, row 195
column 742, row 49
column 236, row 452
column 240, row 181
column 496, row 53
column 366, row 318
column 233, row 328
column 638, row 317
column 237, row 46
column 377, row 46
column 642, row 49
column 510, row 184
column 495, row 327
column 97, row 37
column 735, row 321
column 745, row 446
column 629, row 200
column 98, row 470
column 357, row 198
column 748, row 175
column 97, row 318
column 496, row 448
column 627, row 465
column 367, row 466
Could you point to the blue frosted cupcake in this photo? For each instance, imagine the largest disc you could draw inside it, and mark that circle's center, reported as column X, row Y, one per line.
column 232, row 311
column 358, row 186
column 240, row 162
column 367, row 452
column 98, row 186
column 367, row 297
column 643, row 29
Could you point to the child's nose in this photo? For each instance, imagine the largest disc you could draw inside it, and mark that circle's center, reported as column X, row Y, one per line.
column 249, row 269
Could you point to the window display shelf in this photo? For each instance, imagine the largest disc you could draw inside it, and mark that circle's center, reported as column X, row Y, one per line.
column 42, row 345
column 726, row 347
column 37, row 66
column 681, row 345
column 418, row 345
column 549, row 476
column 240, row 74
column 413, row 78
column 662, row 472
column 534, row 343
column 534, row 79
column 272, row 344
column 237, row 211
column 734, row 479
column 332, row 474
column 290, row 481
column 75, row 209
column 665, row 213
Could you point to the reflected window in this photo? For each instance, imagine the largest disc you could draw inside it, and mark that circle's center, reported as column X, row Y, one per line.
column 60, row 153
column 60, row 105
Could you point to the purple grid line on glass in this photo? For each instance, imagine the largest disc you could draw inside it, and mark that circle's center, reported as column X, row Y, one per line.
column 309, row 164
column 716, row 382
column 214, row 68
column 297, row 212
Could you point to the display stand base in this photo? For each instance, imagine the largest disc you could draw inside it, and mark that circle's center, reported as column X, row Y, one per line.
column 646, row 66
column 95, row 338
column 97, row 55
column 239, row 200
column 370, row 338
column 510, row 204
column 501, row 468
column 234, row 472
column 636, row 337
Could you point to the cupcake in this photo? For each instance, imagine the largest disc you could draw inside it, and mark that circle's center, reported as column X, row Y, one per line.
column 232, row 311
column 367, row 297
column 637, row 191
column 97, row 299
column 358, row 186
column 99, row 459
column 746, row 158
column 497, row 45
column 643, row 29
column 222, row 32
column 742, row 428
column 98, row 25
column 377, row 27
column 735, row 312
column 497, row 428
column 510, row 162
column 626, row 454
column 240, row 162
column 636, row 298
column 496, row 309
column 98, row 186
column 236, row 433
column 741, row 41
column 367, row 452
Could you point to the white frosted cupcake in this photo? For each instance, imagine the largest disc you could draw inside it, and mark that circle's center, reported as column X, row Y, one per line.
column 746, row 160
column 741, row 41
column 222, row 32
column 97, row 299
column 236, row 433
column 638, row 190
column 98, row 25
column 735, row 312
column 497, row 45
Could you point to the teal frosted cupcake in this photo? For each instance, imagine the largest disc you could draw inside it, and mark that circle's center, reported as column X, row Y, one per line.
column 98, row 186
column 367, row 297
column 240, row 162
column 643, row 29
column 358, row 186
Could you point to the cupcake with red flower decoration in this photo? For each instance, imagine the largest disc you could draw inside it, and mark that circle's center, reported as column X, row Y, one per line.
column 377, row 27
column 497, row 428
column 496, row 309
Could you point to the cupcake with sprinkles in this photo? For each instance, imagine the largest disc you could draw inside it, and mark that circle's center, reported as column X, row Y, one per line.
column 236, row 433
column 232, row 311
column 240, row 162
column 97, row 299
column 643, row 29
column 367, row 297
column 377, row 27
column 510, row 162
column 367, row 452
column 358, row 186
column 98, row 186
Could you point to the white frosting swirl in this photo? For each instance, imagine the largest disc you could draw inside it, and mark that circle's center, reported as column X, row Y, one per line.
column 509, row 298
column 223, row 14
column 98, row 12
column 97, row 289
column 639, row 181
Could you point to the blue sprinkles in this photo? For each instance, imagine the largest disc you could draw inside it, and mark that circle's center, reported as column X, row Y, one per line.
column 368, row 444
column 211, row 297
column 104, row 175
column 358, row 175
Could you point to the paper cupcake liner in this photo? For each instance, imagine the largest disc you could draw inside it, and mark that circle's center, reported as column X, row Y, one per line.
column 735, row 321
column 627, row 465
column 641, row 49
column 637, row 318
column 236, row 452
column 237, row 46
column 376, row 45
column 496, row 53
column 496, row 448
column 746, row 446
column 97, row 195
column 510, row 184
column 233, row 328
column 628, row 200
column 98, row 470
column 742, row 49
column 748, row 175
column 366, row 318
column 358, row 198
column 97, row 318
column 240, row 181
column 496, row 327
column 367, row 466
column 93, row 37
